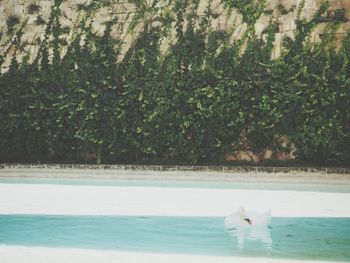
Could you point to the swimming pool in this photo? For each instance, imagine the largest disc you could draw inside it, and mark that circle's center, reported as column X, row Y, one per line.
column 303, row 238
column 181, row 218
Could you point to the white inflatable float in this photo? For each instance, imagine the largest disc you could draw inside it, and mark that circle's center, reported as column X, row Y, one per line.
column 250, row 225
column 242, row 218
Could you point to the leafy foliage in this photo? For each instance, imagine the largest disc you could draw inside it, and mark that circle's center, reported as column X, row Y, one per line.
column 33, row 8
column 251, row 10
column 11, row 22
column 194, row 103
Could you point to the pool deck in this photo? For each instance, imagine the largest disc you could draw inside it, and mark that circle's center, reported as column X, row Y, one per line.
column 55, row 199
column 18, row 254
column 63, row 199
column 49, row 199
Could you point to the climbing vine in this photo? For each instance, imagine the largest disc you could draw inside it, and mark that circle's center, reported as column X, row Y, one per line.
column 199, row 100
column 250, row 10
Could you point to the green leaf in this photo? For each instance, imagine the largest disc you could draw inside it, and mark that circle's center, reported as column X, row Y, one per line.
column 141, row 95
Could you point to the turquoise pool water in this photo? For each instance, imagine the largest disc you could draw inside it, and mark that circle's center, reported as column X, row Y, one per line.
column 304, row 238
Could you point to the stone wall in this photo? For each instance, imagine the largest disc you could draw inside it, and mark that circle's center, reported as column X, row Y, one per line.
column 124, row 12
column 7, row 170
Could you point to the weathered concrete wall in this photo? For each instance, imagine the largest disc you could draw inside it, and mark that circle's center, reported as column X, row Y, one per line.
column 124, row 12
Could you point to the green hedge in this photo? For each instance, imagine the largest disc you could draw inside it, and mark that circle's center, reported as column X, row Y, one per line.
column 191, row 104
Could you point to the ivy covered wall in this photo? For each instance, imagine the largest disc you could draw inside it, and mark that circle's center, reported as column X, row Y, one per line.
column 235, row 17
column 175, row 81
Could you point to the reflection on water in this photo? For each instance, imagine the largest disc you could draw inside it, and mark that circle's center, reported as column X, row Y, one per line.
column 257, row 233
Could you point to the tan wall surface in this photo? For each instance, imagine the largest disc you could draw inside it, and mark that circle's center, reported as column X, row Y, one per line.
column 228, row 20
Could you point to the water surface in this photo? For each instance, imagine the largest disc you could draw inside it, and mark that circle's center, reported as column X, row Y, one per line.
column 303, row 238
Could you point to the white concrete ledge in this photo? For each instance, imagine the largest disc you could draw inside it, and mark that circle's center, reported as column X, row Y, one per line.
column 19, row 254
column 157, row 201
